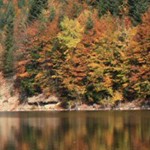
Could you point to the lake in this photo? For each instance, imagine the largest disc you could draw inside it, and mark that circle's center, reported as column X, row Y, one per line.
column 100, row 130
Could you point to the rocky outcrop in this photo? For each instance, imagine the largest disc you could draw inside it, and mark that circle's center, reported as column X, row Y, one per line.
column 9, row 98
column 41, row 99
column 40, row 103
column 9, row 101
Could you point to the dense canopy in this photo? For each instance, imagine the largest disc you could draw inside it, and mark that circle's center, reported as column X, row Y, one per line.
column 88, row 51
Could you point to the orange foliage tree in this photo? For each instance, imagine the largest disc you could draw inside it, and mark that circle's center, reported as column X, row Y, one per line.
column 139, row 61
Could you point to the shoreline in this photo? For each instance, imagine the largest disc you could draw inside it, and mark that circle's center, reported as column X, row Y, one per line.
column 7, row 111
column 55, row 108
column 11, row 103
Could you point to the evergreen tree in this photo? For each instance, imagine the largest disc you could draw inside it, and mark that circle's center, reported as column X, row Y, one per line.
column 76, row 10
column 52, row 14
column 114, row 7
column 21, row 3
column 89, row 23
column 111, row 6
column 9, row 41
column 36, row 9
column 102, row 7
column 136, row 9
column 2, row 20
column 1, row 3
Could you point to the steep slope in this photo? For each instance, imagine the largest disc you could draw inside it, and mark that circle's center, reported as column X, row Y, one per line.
column 8, row 97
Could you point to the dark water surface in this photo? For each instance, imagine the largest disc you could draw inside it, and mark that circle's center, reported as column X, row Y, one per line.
column 103, row 130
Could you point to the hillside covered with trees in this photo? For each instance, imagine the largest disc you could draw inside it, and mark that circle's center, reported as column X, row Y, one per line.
column 89, row 51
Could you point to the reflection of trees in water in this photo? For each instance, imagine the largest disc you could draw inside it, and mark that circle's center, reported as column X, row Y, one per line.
column 37, row 133
column 108, row 131
column 119, row 131
column 8, row 127
column 10, row 146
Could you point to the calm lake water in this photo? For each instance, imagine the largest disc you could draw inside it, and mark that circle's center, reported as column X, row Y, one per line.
column 103, row 130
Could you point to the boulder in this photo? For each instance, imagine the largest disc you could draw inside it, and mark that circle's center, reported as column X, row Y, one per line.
column 51, row 99
column 36, row 99
column 40, row 99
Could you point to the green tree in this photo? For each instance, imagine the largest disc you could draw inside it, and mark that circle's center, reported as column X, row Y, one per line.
column 1, row 3
column 76, row 10
column 111, row 6
column 9, row 41
column 21, row 3
column 2, row 20
column 52, row 14
column 136, row 9
column 36, row 9
column 89, row 23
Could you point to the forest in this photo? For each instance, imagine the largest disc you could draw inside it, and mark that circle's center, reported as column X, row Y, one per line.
column 89, row 51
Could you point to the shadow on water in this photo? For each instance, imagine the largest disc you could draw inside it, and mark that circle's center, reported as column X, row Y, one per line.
column 104, row 130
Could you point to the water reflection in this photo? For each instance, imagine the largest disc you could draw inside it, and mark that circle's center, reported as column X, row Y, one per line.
column 111, row 130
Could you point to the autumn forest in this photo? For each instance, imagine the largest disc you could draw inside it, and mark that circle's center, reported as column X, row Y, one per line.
column 92, row 51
